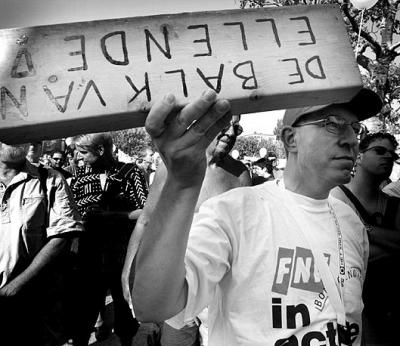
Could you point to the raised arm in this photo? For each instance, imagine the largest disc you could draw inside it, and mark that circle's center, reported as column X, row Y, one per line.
column 42, row 260
column 137, row 234
column 159, row 289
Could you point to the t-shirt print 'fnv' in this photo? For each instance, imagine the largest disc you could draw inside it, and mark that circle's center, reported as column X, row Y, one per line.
column 249, row 262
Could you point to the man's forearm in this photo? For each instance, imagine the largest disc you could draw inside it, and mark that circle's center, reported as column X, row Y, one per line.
column 159, row 290
column 128, row 269
column 46, row 255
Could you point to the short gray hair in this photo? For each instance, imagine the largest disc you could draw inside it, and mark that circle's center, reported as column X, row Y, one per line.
column 92, row 141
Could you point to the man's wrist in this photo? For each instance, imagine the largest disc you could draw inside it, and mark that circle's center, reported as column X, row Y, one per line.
column 184, row 184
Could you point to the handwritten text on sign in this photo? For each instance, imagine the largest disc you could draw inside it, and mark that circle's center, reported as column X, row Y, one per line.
column 60, row 80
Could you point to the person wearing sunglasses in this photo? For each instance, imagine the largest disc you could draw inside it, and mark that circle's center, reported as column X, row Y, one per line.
column 381, row 214
column 57, row 163
column 255, row 255
column 223, row 173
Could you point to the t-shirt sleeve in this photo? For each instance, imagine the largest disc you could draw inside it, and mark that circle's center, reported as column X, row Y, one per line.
column 63, row 216
column 208, row 258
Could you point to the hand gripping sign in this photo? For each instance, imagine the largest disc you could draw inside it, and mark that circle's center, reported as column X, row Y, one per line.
column 60, row 80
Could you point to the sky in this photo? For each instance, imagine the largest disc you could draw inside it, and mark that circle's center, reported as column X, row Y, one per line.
column 25, row 13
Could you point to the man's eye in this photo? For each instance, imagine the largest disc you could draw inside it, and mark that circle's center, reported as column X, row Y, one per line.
column 334, row 124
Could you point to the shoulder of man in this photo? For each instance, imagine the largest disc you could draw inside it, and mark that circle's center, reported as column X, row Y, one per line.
column 243, row 195
column 344, row 207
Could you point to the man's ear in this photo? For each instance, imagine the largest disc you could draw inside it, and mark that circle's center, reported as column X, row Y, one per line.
column 289, row 139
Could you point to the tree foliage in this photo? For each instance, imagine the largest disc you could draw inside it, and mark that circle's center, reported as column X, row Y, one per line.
column 278, row 128
column 132, row 141
column 251, row 145
column 376, row 53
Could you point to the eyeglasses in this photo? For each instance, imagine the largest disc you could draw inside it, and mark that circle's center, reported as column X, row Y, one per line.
column 336, row 125
column 379, row 150
column 57, row 158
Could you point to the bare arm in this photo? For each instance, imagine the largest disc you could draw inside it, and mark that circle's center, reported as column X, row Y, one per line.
column 159, row 289
column 137, row 234
column 64, row 226
column 47, row 255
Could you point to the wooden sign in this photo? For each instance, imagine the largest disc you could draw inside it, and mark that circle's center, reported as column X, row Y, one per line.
column 61, row 80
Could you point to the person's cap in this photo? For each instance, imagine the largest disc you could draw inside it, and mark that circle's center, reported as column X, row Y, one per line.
column 364, row 105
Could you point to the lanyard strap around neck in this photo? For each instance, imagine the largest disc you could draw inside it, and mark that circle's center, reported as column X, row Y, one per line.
column 320, row 261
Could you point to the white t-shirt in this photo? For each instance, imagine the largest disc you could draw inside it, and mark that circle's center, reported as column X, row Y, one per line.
column 249, row 262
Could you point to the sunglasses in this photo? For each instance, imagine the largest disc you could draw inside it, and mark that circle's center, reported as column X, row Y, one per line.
column 379, row 150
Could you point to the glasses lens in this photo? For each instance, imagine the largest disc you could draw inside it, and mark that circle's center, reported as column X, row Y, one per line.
column 357, row 128
column 337, row 125
column 333, row 125
column 380, row 150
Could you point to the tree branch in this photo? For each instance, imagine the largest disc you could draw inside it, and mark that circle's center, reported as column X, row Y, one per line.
column 394, row 47
column 363, row 48
column 364, row 61
column 373, row 43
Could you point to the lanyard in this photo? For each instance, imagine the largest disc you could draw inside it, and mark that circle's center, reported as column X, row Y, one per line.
column 335, row 293
column 342, row 264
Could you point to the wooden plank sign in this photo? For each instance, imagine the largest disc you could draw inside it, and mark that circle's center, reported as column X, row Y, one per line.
column 61, row 80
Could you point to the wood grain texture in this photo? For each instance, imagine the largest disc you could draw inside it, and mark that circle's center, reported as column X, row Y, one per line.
column 61, row 80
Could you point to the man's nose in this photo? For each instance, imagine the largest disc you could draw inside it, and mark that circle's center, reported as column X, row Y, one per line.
column 349, row 137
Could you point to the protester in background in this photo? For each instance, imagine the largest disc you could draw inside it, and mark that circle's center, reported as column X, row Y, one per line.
column 144, row 162
column 223, row 173
column 110, row 196
column 263, row 169
column 381, row 215
column 39, row 219
column 246, row 253
column 45, row 160
column 73, row 160
column 34, row 151
column 57, row 163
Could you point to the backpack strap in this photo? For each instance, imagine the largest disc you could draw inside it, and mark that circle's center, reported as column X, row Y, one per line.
column 43, row 174
column 360, row 208
column 49, row 199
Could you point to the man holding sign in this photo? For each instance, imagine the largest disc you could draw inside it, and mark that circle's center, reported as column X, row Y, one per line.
column 251, row 254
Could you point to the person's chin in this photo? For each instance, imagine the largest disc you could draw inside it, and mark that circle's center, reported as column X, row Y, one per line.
column 344, row 177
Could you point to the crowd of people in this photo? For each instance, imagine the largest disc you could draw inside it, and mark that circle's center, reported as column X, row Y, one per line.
column 193, row 240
